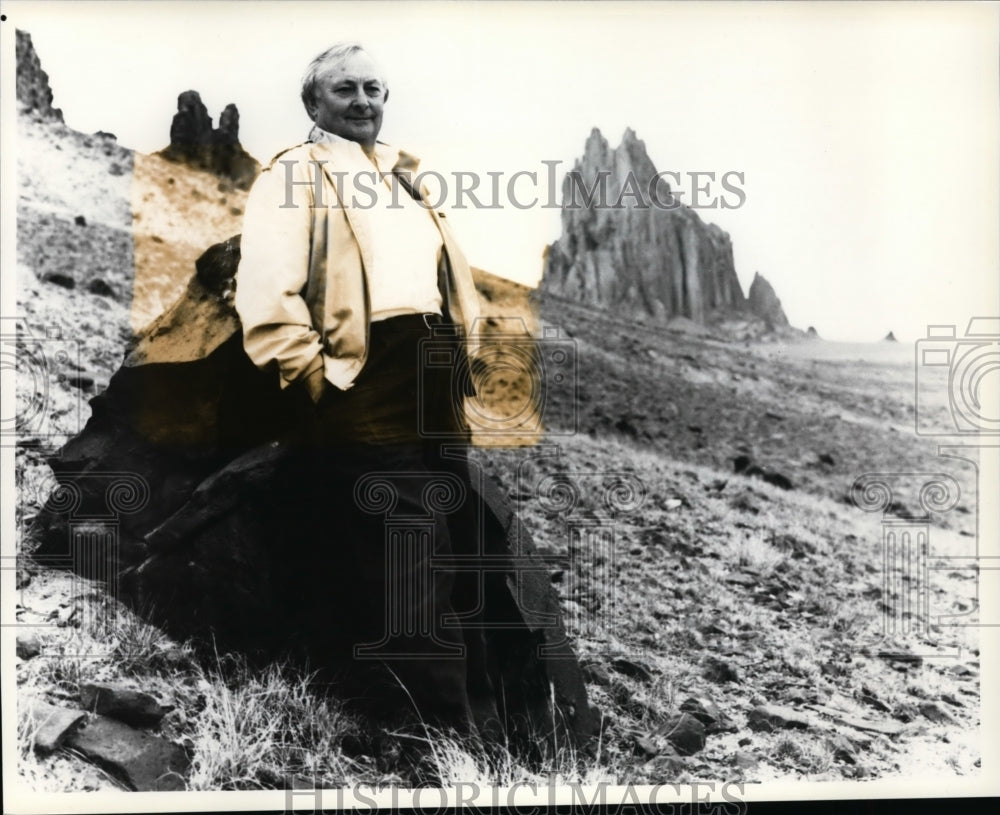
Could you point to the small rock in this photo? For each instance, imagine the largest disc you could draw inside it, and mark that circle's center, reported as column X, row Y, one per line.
column 60, row 279
column 685, row 733
column 142, row 761
column 672, row 503
column 130, row 706
column 28, row 646
column 744, row 759
column 101, row 287
column 779, row 480
column 596, row 674
column 235, row 211
column 951, row 700
column 842, row 748
column 81, row 381
column 645, row 746
column 665, row 767
column 705, row 711
column 116, row 169
column 868, row 697
column 631, row 668
column 717, row 670
column 937, row 714
column 776, row 717
column 52, row 725
column 826, row 458
column 79, row 220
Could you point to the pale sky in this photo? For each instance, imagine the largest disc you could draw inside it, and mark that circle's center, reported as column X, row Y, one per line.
column 867, row 133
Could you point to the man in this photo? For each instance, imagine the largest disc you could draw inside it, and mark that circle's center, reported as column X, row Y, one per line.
column 345, row 276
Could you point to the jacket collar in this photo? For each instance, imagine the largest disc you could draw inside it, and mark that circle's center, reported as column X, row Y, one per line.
column 385, row 154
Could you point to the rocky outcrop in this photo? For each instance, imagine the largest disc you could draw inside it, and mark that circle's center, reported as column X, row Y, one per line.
column 763, row 302
column 629, row 245
column 33, row 91
column 890, row 337
column 184, row 492
column 195, row 142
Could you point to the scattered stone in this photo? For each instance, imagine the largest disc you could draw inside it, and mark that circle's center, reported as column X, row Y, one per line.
column 665, row 767
column 744, row 759
column 905, row 712
column 886, row 728
column 60, row 279
column 937, row 714
column 826, row 458
column 951, row 700
column 235, row 211
column 705, row 711
column 125, row 704
column 685, row 733
column 775, row 717
column 81, row 381
column 52, row 725
column 717, row 670
column 868, row 696
column 116, row 169
column 101, row 287
column 902, row 660
column 645, row 746
column 596, row 674
column 628, row 667
column 79, row 220
column 745, row 741
column 142, row 761
column 28, row 646
column 842, row 748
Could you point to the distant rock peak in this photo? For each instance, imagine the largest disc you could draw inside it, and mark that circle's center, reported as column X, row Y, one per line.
column 629, row 245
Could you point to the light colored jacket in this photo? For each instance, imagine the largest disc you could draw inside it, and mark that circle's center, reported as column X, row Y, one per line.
column 301, row 290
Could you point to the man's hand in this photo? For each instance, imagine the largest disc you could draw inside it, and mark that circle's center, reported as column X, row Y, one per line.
column 315, row 384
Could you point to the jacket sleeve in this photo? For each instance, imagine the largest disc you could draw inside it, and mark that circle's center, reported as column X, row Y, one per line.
column 273, row 270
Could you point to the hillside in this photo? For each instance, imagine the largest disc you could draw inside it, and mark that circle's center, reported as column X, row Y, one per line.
column 731, row 628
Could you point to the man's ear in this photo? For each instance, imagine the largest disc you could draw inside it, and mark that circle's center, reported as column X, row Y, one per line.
column 386, row 97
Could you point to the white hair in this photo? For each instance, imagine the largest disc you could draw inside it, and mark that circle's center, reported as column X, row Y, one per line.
column 330, row 58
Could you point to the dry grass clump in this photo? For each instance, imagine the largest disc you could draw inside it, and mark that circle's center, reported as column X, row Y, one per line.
column 261, row 729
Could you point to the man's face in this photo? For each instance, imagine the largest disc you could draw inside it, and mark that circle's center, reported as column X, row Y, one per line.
column 349, row 98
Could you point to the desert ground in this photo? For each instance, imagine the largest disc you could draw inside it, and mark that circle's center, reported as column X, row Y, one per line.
column 756, row 609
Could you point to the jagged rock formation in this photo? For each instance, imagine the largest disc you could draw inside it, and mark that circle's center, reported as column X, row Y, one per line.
column 634, row 248
column 33, row 91
column 184, row 493
column 765, row 303
column 194, row 141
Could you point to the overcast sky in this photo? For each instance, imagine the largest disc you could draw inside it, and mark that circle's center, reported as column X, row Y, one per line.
column 867, row 134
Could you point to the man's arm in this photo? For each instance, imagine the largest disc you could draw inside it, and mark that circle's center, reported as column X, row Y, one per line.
column 274, row 267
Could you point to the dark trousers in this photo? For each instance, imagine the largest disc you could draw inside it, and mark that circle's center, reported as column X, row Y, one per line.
column 390, row 491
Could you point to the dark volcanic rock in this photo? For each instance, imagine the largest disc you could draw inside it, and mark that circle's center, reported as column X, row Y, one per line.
column 195, row 142
column 685, row 733
column 52, row 724
column 33, row 91
column 181, row 485
column 775, row 717
column 125, row 704
column 142, row 761
column 765, row 303
column 28, row 646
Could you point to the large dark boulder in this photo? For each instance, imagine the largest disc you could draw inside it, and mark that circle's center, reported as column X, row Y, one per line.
column 181, row 493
